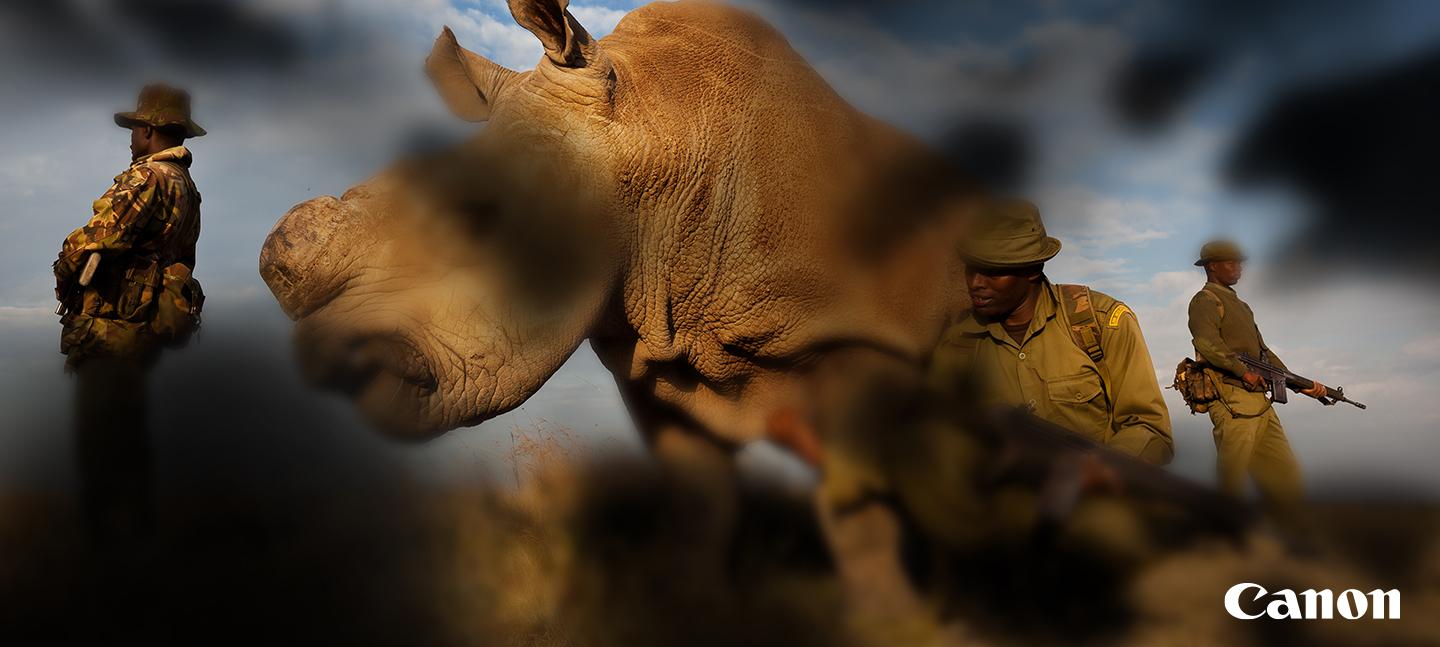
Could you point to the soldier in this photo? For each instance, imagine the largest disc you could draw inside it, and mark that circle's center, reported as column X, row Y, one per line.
column 123, row 280
column 1249, row 440
column 1074, row 356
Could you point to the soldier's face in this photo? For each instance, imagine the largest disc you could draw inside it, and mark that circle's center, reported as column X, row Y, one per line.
column 1227, row 272
column 139, row 141
column 995, row 294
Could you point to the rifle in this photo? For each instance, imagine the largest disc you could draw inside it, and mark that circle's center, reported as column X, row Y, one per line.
column 73, row 295
column 1033, row 443
column 1279, row 378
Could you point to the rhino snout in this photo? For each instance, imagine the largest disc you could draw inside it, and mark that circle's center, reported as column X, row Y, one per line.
column 298, row 261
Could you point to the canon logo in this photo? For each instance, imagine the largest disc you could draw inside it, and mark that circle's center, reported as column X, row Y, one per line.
column 1310, row 604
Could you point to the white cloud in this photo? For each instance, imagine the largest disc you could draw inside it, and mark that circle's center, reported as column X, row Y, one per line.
column 26, row 315
column 1081, row 214
column 493, row 33
column 505, row 42
column 1424, row 349
column 1045, row 74
column 1183, row 163
column 596, row 19
column 27, row 173
column 1072, row 267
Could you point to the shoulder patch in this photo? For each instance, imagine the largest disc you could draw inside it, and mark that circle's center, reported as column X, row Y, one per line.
column 162, row 167
column 1116, row 313
column 134, row 178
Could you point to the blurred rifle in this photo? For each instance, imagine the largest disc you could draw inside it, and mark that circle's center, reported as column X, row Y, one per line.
column 1057, row 456
column 1279, row 378
column 75, row 294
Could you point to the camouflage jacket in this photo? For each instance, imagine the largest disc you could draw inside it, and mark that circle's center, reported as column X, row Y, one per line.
column 149, row 218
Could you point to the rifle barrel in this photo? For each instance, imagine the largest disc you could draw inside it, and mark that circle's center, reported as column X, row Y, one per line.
column 1338, row 394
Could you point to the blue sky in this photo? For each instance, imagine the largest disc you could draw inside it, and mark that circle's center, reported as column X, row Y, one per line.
column 1132, row 210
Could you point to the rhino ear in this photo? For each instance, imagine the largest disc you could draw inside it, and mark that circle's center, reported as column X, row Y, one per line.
column 467, row 81
column 566, row 42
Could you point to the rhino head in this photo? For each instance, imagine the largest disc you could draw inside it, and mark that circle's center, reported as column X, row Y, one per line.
column 446, row 290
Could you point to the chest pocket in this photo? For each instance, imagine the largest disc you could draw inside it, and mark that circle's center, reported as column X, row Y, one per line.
column 1078, row 403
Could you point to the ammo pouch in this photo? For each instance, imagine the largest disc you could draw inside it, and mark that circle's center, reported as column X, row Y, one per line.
column 178, row 304
column 1195, row 385
column 137, row 291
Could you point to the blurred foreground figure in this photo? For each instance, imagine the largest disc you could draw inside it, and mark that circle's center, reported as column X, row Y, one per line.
column 1073, row 356
column 125, row 290
column 954, row 522
column 1249, row 440
column 948, row 515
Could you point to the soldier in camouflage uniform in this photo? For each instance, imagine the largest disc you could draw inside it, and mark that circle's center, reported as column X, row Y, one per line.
column 1249, row 441
column 139, row 298
column 1073, row 355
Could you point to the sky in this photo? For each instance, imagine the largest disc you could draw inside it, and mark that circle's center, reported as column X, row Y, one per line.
column 335, row 91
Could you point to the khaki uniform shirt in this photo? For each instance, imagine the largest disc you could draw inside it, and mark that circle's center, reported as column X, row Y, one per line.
column 1221, row 325
column 149, row 217
column 1114, row 402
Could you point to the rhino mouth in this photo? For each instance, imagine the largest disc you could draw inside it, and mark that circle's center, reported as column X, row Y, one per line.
column 386, row 374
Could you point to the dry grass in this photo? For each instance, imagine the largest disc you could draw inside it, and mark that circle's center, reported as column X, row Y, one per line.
column 581, row 555
column 586, row 554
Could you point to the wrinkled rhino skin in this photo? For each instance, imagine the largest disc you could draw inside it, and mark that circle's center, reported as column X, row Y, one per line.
column 728, row 221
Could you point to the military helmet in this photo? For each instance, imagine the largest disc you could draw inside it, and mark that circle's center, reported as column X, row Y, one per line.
column 1219, row 250
column 1008, row 233
column 161, row 106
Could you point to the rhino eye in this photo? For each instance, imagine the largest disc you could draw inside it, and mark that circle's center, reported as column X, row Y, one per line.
column 477, row 217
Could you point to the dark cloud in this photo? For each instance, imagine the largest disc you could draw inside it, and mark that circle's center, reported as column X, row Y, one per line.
column 997, row 152
column 1182, row 46
column 224, row 32
column 287, row 57
column 101, row 37
column 53, row 35
column 1149, row 88
column 1361, row 151
column 1346, row 119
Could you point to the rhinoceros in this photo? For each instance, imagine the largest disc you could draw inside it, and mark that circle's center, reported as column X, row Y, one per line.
column 687, row 194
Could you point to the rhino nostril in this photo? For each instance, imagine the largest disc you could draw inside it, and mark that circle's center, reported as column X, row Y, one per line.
column 347, row 363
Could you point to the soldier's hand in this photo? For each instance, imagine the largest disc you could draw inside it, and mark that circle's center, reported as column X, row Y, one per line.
column 1096, row 476
column 1317, row 391
column 1253, row 380
column 790, row 430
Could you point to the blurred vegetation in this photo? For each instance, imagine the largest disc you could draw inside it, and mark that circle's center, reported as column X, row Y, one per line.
column 595, row 552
